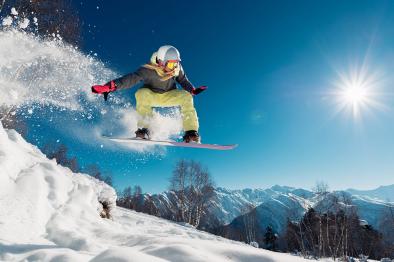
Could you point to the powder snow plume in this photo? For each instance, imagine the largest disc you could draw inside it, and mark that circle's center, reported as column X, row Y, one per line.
column 46, row 72
column 51, row 80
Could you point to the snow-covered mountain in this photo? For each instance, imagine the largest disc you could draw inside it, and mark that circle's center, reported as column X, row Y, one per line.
column 274, row 205
column 228, row 204
column 385, row 193
column 49, row 213
column 289, row 203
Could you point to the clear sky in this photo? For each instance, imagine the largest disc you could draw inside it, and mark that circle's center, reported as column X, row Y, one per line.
column 272, row 68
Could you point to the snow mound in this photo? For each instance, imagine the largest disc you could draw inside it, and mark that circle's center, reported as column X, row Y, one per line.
column 49, row 213
column 43, row 202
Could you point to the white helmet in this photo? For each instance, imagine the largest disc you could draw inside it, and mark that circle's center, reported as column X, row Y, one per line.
column 168, row 52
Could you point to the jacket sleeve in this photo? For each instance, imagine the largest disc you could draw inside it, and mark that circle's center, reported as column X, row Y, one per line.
column 184, row 81
column 131, row 79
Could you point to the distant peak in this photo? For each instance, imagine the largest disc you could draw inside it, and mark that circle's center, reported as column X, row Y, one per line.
column 280, row 188
column 373, row 189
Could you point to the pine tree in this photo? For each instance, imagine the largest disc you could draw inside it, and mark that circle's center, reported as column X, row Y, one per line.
column 270, row 238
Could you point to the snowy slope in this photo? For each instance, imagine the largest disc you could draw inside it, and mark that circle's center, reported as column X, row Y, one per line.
column 50, row 214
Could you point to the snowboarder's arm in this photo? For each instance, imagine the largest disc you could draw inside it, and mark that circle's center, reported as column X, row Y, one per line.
column 123, row 82
column 184, row 81
column 130, row 80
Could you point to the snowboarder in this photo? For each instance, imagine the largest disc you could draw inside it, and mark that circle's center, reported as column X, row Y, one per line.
column 160, row 76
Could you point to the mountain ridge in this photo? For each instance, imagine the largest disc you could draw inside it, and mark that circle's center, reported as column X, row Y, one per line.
column 228, row 204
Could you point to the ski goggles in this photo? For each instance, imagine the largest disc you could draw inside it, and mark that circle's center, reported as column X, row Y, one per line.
column 172, row 64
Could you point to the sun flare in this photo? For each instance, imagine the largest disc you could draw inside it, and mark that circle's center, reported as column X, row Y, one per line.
column 357, row 92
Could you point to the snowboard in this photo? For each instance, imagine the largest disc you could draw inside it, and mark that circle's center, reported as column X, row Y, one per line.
column 134, row 140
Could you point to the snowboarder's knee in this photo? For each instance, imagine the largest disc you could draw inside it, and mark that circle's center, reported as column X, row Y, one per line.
column 142, row 93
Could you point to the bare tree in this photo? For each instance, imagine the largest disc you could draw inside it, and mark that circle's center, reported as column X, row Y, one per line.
column 2, row 2
column 386, row 227
column 149, row 206
column 194, row 188
column 337, row 232
column 202, row 192
column 125, row 198
column 178, row 185
column 138, row 198
column 94, row 171
column 108, row 179
column 249, row 217
column 294, row 237
column 60, row 153
column 55, row 17
column 321, row 188
column 10, row 119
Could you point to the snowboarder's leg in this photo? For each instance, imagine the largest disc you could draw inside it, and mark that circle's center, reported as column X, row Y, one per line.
column 144, row 97
column 183, row 99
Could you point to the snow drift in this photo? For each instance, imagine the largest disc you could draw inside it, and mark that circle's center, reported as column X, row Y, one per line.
column 49, row 213
column 42, row 202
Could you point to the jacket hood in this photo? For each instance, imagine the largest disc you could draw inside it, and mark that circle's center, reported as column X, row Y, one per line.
column 153, row 59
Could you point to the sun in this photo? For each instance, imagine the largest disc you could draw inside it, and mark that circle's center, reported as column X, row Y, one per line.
column 356, row 92
column 355, row 95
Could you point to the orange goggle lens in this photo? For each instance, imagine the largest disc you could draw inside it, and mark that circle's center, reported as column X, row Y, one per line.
column 172, row 64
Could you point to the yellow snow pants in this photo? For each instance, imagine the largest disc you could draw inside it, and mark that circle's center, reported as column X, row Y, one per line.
column 146, row 99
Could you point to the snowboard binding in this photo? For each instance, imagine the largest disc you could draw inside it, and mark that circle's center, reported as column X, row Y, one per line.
column 142, row 133
column 191, row 136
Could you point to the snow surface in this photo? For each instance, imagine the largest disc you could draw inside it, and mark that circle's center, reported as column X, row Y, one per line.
column 51, row 214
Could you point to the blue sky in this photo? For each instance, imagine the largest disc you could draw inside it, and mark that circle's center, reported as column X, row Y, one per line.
column 270, row 67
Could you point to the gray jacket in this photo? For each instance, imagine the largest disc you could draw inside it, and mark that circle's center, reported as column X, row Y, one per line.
column 153, row 81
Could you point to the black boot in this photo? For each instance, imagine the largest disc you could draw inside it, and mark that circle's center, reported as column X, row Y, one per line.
column 142, row 133
column 191, row 136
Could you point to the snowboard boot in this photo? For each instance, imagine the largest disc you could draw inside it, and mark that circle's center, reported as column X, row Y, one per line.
column 142, row 133
column 191, row 136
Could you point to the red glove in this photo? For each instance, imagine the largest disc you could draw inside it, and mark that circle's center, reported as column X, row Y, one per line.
column 198, row 90
column 108, row 87
column 104, row 89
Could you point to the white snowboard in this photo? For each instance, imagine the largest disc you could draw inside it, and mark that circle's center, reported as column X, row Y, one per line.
column 170, row 143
